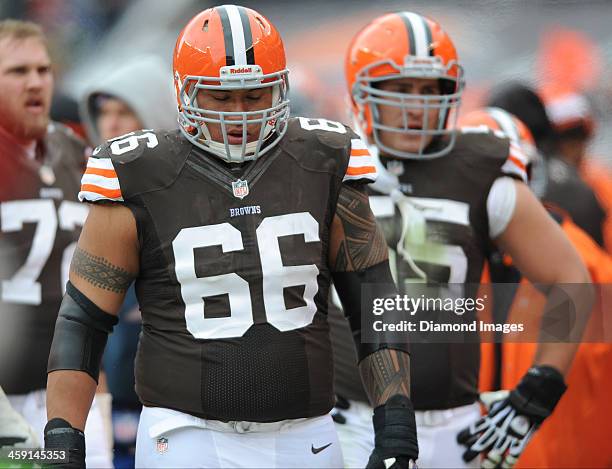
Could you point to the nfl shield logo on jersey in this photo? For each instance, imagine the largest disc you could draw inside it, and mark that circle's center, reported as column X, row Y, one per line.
column 162, row 445
column 240, row 188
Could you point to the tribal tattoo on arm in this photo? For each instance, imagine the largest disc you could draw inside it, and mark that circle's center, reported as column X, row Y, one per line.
column 357, row 244
column 357, row 240
column 385, row 373
column 99, row 272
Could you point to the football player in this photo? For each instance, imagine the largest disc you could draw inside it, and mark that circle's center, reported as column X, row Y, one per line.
column 586, row 403
column 40, row 219
column 444, row 197
column 232, row 227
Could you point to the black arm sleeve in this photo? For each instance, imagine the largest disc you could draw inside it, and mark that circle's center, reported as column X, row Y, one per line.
column 357, row 291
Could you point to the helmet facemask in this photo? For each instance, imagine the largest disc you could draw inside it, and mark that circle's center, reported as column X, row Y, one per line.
column 368, row 96
column 273, row 120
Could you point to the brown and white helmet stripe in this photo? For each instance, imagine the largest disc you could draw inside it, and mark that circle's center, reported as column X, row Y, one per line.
column 419, row 34
column 237, row 35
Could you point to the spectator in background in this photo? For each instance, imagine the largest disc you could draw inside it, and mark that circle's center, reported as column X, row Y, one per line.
column 574, row 122
column 136, row 96
column 564, row 185
column 65, row 109
column 40, row 220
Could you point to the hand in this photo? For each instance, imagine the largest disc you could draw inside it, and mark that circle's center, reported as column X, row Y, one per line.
column 59, row 434
column 395, row 437
column 15, row 431
column 513, row 417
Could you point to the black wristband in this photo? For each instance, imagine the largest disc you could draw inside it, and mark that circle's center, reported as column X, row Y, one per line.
column 59, row 434
column 538, row 392
column 395, row 432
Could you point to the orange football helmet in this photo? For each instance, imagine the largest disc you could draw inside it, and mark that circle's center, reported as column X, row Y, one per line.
column 399, row 45
column 231, row 47
column 507, row 125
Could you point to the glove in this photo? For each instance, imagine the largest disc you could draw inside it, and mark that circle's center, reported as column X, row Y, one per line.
column 59, row 434
column 395, row 436
column 513, row 417
column 15, row 431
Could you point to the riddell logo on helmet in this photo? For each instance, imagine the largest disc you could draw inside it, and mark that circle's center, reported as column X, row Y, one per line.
column 237, row 71
column 241, row 70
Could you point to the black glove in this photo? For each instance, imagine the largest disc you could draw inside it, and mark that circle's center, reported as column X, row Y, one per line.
column 395, row 435
column 59, row 434
column 513, row 417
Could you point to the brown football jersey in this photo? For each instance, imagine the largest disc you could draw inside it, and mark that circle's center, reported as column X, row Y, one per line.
column 234, row 276
column 446, row 237
column 40, row 220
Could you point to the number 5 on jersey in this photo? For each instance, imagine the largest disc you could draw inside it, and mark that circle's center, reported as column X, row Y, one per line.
column 275, row 277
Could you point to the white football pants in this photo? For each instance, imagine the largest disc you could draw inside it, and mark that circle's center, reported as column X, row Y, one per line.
column 436, row 429
column 98, row 429
column 171, row 439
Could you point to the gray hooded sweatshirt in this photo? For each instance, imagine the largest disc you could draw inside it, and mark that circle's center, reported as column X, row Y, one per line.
column 145, row 85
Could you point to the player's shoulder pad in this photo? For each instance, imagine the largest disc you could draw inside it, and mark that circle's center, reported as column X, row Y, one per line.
column 328, row 146
column 132, row 164
column 66, row 143
column 57, row 130
column 487, row 149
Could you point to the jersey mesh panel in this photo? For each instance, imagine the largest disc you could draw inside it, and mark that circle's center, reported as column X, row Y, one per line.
column 253, row 381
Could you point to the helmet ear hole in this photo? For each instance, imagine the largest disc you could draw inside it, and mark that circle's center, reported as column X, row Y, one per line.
column 261, row 23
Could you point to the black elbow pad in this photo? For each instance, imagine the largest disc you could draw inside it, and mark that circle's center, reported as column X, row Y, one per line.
column 356, row 299
column 81, row 332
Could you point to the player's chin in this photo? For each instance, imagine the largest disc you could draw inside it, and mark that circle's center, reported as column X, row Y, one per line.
column 36, row 128
column 252, row 135
column 403, row 142
column 237, row 138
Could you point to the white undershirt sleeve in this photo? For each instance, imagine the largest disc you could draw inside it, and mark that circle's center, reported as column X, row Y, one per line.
column 500, row 205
